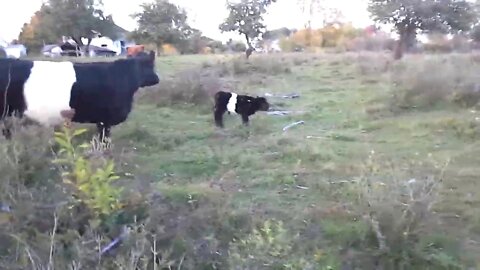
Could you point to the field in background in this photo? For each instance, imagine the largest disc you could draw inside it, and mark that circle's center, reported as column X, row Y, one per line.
column 382, row 174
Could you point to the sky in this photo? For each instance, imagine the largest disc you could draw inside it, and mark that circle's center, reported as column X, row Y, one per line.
column 204, row 15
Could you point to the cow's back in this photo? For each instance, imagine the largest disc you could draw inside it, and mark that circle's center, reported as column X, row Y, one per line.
column 103, row 91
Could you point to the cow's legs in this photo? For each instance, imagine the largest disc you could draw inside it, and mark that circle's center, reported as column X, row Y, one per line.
column 219, row 117
column 103, row 131
column 7, row 133
column 245, row 119
column 7, row 127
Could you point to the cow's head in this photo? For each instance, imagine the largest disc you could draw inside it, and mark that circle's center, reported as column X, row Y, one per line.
column 261, row 104
column 146, row 65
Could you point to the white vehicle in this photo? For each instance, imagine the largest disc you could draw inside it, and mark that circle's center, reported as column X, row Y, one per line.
column 15, row 51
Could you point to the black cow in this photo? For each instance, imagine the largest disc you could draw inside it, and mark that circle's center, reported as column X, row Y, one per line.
column 237, row 104
column 97, row 92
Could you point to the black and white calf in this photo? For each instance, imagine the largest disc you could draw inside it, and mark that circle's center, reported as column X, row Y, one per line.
column 97, row 92
column 243, row 105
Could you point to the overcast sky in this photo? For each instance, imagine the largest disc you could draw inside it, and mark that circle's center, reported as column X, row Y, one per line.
column 204, row 15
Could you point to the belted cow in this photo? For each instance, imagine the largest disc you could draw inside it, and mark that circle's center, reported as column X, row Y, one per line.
column 243, row 105
column 100, row 93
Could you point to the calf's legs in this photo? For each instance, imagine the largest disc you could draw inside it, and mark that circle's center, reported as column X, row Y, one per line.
column 218, row 114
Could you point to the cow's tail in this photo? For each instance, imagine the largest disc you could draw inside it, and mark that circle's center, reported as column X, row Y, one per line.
column 4, row 111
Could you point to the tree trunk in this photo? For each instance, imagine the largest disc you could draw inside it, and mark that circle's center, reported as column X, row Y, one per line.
column 405, row 41
column 79, row 43
column 399, row 49
column 87, row 48
column 159, row 49
column 250, row 48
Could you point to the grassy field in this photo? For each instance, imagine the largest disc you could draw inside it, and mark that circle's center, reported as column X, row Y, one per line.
column 381, row 175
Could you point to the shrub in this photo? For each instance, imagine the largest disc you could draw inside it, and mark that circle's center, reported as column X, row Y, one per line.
column 461, row 44
column 375, row 43
column 289, row 45
column 402, row 217
column 439, row 43
column 76, row 219
column 373, row 64
column 438, row 47
column 46, row 214
column 192, row 87
column 424, row 83
column 90, row 178
column 268, row 247
column 237, row 46
column 271, row 65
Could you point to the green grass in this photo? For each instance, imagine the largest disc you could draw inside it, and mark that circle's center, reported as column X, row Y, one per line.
column 302, row 176
column 263, row 166
column 334, row 98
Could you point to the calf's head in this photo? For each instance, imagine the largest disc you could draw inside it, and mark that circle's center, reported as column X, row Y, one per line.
column 261, row 104
column 146, row 68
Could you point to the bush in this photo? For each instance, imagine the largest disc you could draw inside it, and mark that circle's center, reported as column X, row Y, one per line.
column 75, row 214
column 269, row 65
column 268, row 247
column 425, row 82
column 375, row 43
column 289, row 45
column 439, row 43
column 192, row 87
column 402, row 217
column 461, row 44
column 373, row 64
column 45, row 213
column 237, row 46
column 92, row 178
column 218, row 47
column 438, row 47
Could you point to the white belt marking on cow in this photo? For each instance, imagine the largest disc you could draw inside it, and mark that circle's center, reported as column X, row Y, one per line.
column 232, row 103
column 47, row 91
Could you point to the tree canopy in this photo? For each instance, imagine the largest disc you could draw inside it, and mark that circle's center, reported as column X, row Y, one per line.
column 38, row 31
column 410, row 16
column 162, row 22
column 246, row 18
column 76, row 19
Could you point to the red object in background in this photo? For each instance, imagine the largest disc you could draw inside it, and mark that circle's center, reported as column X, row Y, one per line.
column 133, row 50
column 370, row 30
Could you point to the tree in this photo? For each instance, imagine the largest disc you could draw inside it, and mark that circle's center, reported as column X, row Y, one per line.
column 318, row 8
column 236, row 46
column 79, row 19
column 76, row 19
column 162, row 22
column 217, row 46
column 309, row 8
column 410, row 16
column 246, row 18
column 38, row 31
column 475, row 33
column 195, row 43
